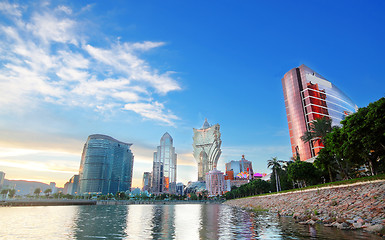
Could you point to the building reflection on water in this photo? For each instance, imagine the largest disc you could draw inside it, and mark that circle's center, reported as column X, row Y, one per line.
column 189, row 221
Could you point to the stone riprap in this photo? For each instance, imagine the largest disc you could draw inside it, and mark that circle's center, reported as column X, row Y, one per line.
column 354, row 206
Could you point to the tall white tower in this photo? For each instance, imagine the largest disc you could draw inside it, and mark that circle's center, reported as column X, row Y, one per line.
column 164, row 167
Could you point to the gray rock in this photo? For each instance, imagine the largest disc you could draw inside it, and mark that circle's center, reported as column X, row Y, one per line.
column 378, row 228
column 357, row 225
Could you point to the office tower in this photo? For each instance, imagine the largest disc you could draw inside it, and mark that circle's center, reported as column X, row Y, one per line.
column 72, row 186
column 309, row 96
column 106, row 166
column 215, row 182
column 2, row 176
column 241, row 169
column 146, row 181
column 207, row 148
column 179, row 189
column 164, row 167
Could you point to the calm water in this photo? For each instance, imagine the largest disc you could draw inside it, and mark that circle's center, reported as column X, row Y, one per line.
column 156, row 222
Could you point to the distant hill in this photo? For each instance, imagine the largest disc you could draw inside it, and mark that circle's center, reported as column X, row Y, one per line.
column 24, row 187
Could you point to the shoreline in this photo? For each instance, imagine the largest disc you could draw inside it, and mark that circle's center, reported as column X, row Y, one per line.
column 352, row 206
column 43, row 202
column 67, row 202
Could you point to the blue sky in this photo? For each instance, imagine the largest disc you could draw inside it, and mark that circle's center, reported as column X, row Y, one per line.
column 136, row 69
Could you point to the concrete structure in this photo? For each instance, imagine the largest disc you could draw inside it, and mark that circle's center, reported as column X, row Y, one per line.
column 146, row 183
column 106, row 166
column 207, row 148
column 164, row 167
column 309, row 96
column 215, row 183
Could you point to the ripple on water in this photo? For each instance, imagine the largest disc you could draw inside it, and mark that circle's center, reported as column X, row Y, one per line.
column 206, row 221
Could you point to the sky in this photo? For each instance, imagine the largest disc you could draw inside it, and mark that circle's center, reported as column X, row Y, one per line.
column 134, row 70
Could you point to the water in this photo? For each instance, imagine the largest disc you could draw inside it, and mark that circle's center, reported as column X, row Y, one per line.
column 184, row 221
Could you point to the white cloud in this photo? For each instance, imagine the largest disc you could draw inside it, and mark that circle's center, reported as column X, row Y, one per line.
column 153, row 110
column 10, row 9
column 45, row 57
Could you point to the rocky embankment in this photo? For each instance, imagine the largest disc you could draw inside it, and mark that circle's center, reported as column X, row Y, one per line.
column 355, row 206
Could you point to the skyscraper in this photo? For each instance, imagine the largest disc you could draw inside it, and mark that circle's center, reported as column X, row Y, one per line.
column 106, row 166
column 73, row 185
column 309, row 96
column 207, row 148
column 2, row 176
column 146, row 181
column 243, row 167
column 164, row 167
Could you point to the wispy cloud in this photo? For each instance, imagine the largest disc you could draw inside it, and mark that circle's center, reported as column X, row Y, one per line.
column 45, row 57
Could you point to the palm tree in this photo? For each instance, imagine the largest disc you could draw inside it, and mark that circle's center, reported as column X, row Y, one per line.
column 275, row 164
column 319, row 128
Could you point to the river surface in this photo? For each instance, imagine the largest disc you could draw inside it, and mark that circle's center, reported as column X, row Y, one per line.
column 183, row 221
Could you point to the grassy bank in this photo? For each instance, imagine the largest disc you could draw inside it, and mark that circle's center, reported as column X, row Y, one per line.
column 330, row 184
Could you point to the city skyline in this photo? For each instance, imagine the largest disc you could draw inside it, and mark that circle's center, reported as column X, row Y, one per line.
column 134, row 70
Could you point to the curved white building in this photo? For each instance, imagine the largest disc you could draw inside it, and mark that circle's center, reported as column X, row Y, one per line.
column 207, row 148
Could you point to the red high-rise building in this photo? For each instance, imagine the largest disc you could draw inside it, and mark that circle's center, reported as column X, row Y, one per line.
column 309, row 96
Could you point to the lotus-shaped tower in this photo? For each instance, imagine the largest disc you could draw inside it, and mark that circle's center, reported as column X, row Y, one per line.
column 207, row 148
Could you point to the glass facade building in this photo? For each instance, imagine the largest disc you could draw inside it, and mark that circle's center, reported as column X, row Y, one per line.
column 207, row 148
column 240, row 169
column 106, row 166
column 146, row 181
column 309, row 96
column 164, row 167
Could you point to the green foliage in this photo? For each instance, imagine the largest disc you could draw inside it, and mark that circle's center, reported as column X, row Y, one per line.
column 37, row 192
column 319, row 128
column 252, row 188
column 303, row 173
column 4, row 191
column 275, row 165
column 358, row 143
column 48, row 191
column 11, row 193
column 193, row 196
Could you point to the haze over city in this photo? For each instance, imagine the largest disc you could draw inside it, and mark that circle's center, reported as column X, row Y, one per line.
column 135, row 70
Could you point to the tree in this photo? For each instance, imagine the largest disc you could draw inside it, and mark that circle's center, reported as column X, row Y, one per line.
column 365, row 132
column 11, row 193
column 319, row 128
column 274, row 163
column 193, row 196
column 304, row 173
column 4, row 192
column 37, row 192
column 47, row 191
